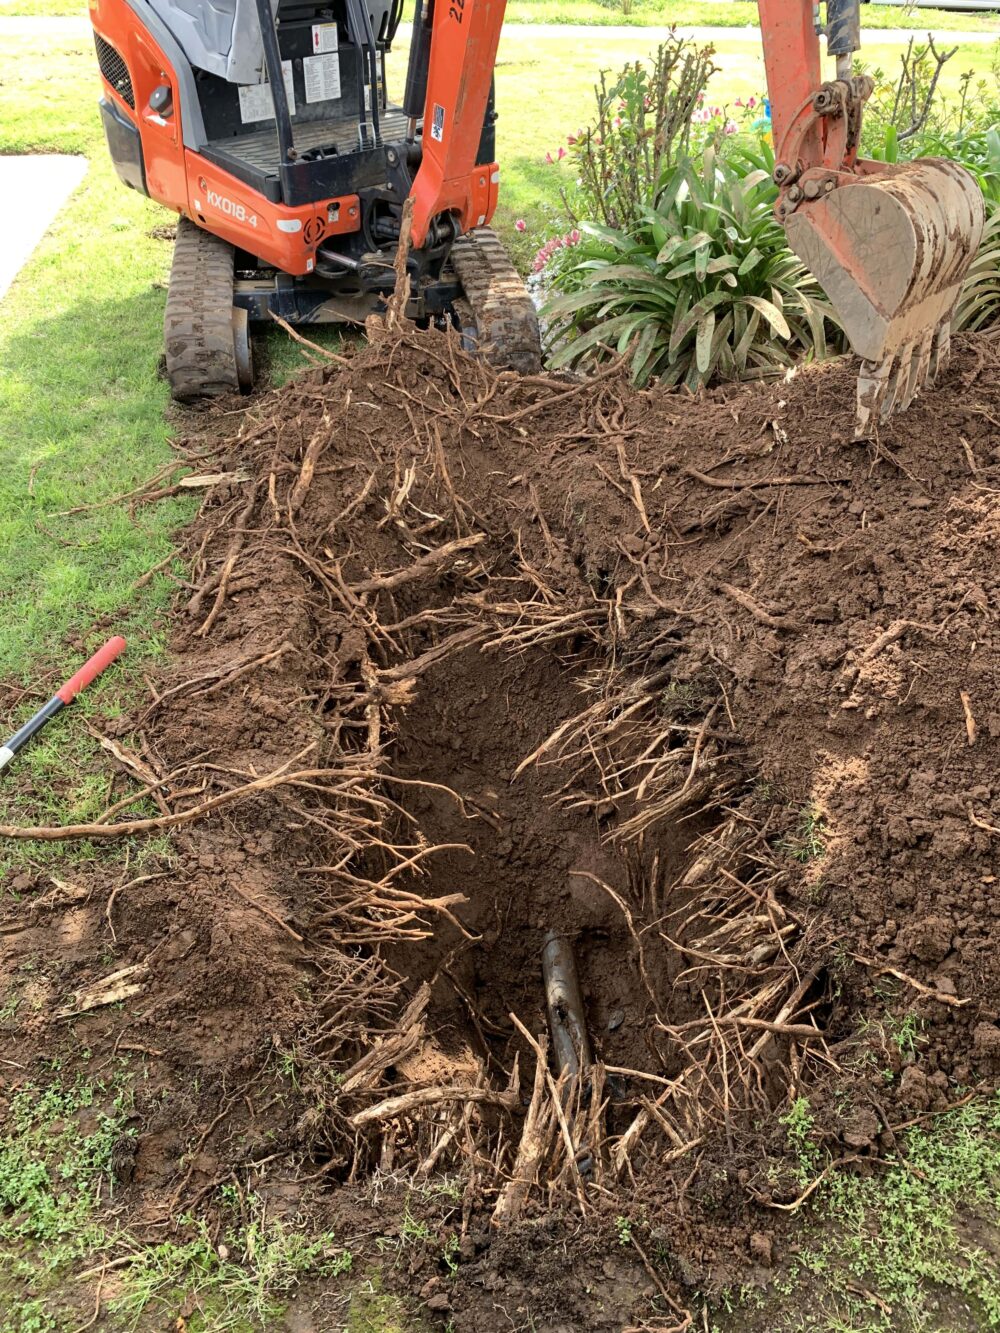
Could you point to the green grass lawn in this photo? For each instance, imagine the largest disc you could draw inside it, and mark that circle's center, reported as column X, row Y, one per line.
column 81, row 420
column 82, row 410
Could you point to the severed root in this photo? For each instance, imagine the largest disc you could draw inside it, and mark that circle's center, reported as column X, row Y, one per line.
column 119, row 985
column 535, row 1141
column 407, row 1102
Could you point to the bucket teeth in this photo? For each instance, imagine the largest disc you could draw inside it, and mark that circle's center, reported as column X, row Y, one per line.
column 873, row 380
column 941, row 352
column 890, row 385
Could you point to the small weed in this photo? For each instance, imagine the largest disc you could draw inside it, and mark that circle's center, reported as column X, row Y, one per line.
column 56, row 1148
column 917, row 1238
column 376, row 1311
column 906, row 1034
column 450, row 1254
column 288, row 1065
column 413, row 1230
column 245, row 1278
column 443, row 1188
column 623, row 1226
column 799, row 1124
column 808, row 841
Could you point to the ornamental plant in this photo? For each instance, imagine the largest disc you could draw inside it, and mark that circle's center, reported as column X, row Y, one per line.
column 702, row 286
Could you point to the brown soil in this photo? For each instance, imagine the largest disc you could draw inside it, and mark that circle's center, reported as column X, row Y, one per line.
column 701, row 684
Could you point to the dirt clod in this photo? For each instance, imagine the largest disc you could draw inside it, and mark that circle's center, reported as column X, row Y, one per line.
column 929, row 939
column 761, row 1248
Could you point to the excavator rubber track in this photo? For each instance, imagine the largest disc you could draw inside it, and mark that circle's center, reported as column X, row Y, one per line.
column 504, row 314
column 206, row 338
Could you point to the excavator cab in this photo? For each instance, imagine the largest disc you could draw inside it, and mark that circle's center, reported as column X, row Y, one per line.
column 267, row 125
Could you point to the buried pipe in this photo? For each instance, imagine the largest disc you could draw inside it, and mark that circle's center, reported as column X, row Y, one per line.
column 570, row 1043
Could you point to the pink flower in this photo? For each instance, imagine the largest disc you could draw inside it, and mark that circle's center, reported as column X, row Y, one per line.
column 520, row 225
column 574, row 237
column 561, row 154
column 730, row 127
column 752, row 103
column 571, row 139
column 739, row 101
column 618, row 121
column 549, row 158
column 716, row 110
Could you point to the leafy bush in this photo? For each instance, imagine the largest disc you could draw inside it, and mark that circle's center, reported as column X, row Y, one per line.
column 704, row 285
column 642, row 127
column 908, row 106
column 979, row 304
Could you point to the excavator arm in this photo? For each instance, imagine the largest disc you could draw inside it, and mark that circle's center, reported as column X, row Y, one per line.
column 890, row 244
column 453, row 50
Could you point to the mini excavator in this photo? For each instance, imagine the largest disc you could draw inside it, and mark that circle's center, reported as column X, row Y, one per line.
column 267, row 126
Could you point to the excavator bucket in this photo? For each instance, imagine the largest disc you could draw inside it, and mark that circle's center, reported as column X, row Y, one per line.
column 891, row 251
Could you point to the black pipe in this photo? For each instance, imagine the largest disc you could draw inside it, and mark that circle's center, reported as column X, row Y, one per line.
column 415, row 93
column 570, row 1042
column 275, row 75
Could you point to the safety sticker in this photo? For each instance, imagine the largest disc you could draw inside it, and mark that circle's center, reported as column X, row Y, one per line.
column 437, row 123
column 324, row 38
column 322, row 77
column 255, row 98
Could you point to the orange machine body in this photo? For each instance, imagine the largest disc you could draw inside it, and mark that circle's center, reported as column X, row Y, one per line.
column 448, row 181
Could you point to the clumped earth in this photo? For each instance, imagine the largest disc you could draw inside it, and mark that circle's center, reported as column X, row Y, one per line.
column 700, row 684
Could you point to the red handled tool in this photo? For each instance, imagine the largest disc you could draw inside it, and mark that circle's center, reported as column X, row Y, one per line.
column 88, row 672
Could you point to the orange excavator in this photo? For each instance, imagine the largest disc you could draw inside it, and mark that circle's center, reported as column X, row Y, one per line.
column 267, row 126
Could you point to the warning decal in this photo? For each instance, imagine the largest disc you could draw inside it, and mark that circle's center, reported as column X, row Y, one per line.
column 437, row 123
column 324, row 38
column 322, row 77
column 255, row 98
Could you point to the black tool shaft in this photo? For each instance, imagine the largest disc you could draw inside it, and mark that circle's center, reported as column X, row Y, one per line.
column 33, row 725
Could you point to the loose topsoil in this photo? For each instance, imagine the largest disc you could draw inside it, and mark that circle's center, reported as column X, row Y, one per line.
column 699, row 684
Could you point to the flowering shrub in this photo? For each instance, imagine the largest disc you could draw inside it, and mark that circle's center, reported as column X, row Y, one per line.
column 674, row 253
column 552, row 246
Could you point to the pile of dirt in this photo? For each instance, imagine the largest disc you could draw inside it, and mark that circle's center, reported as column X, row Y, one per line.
column 700, row 684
